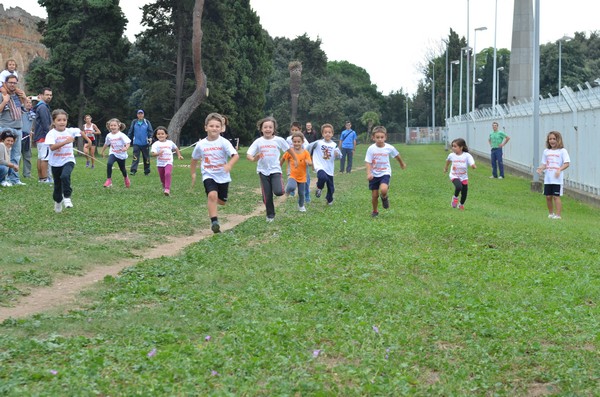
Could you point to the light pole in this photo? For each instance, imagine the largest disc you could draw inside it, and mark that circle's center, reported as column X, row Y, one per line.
column 494, row 88
column 465, row 49
column 475, row 62
column 501, row 68
column 432, row 97
column 451, row 89
column 564, row 38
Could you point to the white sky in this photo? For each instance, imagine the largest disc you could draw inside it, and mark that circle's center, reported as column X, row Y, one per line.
column 390, row 39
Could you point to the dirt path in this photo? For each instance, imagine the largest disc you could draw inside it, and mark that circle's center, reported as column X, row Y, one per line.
column 63, row 293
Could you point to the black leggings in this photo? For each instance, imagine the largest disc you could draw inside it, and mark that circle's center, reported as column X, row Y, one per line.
column 121, row 162
column 461, row 189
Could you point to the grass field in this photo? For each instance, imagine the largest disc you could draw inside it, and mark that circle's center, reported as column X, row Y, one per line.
column 423, row 300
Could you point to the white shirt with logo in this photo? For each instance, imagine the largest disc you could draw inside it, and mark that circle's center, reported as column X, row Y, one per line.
column 213, row 156
column 460, row 165
column 270, row 150
column 117, row 143
column 379, row 158
column 554, row 159
column 164, row 151
column 64, row 154
column 324, row 155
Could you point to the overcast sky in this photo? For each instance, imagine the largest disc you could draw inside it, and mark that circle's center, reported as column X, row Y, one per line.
column 390, row 39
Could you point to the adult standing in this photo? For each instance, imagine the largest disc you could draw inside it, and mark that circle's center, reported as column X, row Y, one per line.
column 10, row 118
column 140, row 133
column 309, row 133
column 43, row 120
column 27, row 120
column 348, row 145
column 497, row 140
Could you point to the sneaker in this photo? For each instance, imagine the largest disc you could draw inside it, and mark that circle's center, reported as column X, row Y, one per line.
column 385, row 201
column 108, row 183
column 292, row 193
column 19, row 183
column 374, row 214
column 551, row 216
column 492, row 177
column 58, row 207
column 556, row 217
column 302, row 209
column 500, row 177
column 454, row 202
column 127, row 182
column 330, row 202
column 92, row 167
column 215, row 227
column 167, row 192
column 87, row 164
column 6, row 184
column 132, row 173
column 461, row 207
column 318, row 193
column 68, row 203
column 269, row 220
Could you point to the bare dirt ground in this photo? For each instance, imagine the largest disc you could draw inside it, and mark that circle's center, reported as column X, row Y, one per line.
column 63, row 293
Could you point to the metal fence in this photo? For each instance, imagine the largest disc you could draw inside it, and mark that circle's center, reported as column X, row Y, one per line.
column 575, row 114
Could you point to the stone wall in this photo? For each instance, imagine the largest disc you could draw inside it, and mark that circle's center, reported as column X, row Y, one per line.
column 20, row 40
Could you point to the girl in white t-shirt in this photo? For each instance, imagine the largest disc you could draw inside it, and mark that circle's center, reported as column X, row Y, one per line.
column 554, row 161
column 162, row 149
column 266, row 150
column 119, row 144
column 62, row 161
column 461, row 160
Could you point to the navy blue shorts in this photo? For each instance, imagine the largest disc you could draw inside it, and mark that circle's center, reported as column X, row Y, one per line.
column 222, row 189
column 377, row 181
column 553, row 190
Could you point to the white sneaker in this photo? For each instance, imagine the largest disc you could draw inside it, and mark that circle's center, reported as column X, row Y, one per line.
column 550, row 216
column 302, row 209
column 58, row 207
column 68, row 203
column 500, row 177
column 6, row 184
column 19, row 183
column 556, row 217
column 269, row 220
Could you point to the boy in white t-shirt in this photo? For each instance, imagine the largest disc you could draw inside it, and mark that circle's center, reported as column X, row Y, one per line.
column 379, row 170
column 324, row 152
column 62, row 161
column 213, row 152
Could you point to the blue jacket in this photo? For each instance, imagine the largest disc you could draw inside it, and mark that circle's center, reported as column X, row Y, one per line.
column 42, row 121
column 139, row 133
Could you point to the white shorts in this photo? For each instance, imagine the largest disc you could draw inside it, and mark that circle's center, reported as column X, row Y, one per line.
column 43, row 151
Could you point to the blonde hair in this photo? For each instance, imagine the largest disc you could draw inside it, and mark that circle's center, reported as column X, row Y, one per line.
column 298, row 135
column 377, row 129
column 122, row 126
column 326, row 125
column 559, row 140
column 214, row 116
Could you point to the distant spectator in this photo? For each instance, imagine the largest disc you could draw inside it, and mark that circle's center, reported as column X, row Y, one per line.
column 309, row 133
column 10, row 118
column 348, row 146
column 140, row 133
column 7, row 139
column 43, row 120
column 27, row 118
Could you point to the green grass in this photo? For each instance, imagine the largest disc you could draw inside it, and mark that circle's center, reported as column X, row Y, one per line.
column 424, row 300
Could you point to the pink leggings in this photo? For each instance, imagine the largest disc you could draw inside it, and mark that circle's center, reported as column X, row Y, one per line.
column 165, row 175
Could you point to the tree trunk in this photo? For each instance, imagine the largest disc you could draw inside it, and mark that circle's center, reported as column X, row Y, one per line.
column 193, row 101
column 295, row 68
column 180, row 76
column 81, row 109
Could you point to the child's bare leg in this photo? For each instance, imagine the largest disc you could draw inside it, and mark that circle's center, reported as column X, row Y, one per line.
column 383, row 189
column 212, row 204
column 375, row 199
column 549, row 204
column 557, row 205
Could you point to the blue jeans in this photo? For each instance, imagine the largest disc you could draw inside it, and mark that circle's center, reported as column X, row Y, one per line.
column 3, row 172
column 497, row 162
column 15, row 155
column 307, row 189
column 291, row 187
column 346, row 153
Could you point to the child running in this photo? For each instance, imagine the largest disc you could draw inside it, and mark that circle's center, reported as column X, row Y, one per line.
column 554, row 161
column 297, row 175
column 213, row 152
column 325, row 151
column 119, row 144
column 461, row 160
column 297, row 127
column 62, row 161
column 265, row 151
column 162, row 149
column 379, row 170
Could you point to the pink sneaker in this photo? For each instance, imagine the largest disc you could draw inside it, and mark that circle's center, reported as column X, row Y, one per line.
column 108, row 183
column 461, row 207
column 167, row 192
column 454, row 202
column 127, row 182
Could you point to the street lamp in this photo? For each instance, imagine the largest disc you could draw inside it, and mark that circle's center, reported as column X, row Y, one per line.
column 475, row 62
column 501, row 68
column 465, row 49
column 564, row 38
column 433, row 98
column 451, row 89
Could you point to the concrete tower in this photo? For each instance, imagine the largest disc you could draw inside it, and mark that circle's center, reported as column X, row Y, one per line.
column 520, row 77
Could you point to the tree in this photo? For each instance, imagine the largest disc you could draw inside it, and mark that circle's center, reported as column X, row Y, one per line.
column 85, row 68
column 295, row 68
column 369, row 119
